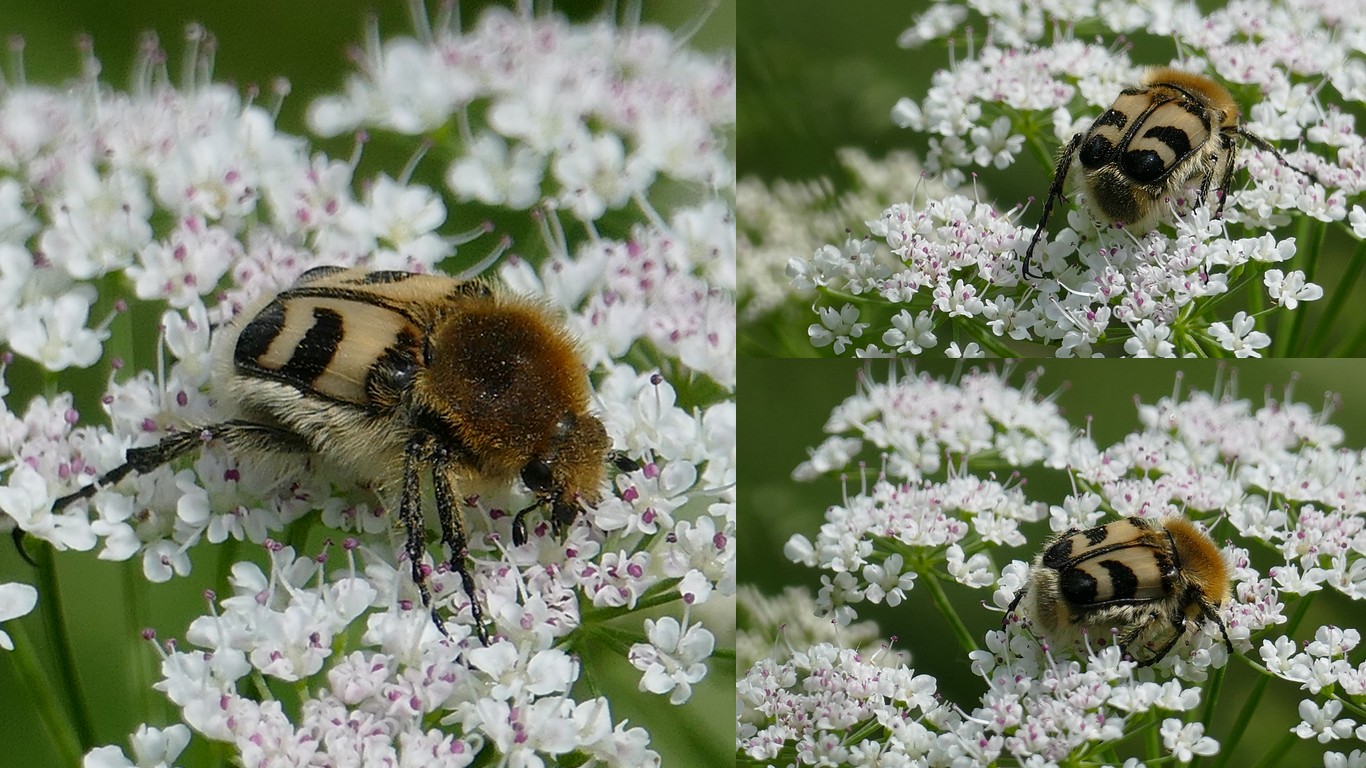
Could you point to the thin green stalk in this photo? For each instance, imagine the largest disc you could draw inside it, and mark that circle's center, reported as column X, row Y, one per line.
column 1273, row 757
column 1313, row 237
column 1258, row 689
column 1343, row 291
column 618, row 641
column 864, row 730
column 1211, row 697
column 59, row 726
column 941, row 601
column 1354, row 342
column 1256, row 299
column 992, row 345
column 1352, row 707
column 1041, row 151
column 1303, row 608
column 54, row 617
column 143, row 664
column 1244, row 719
column 643, row 603
column 1313, row 231
column 1151, row 735
column 1212, row 694
column 1194, row 343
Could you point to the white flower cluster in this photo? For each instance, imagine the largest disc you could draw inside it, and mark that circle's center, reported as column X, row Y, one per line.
column 954, row 261
column 585, row 119
column 775, row 221
column 916, row 421
column 1035, row 706
column 806, row 707
column 376, row 699
column 792, row 615
column 579, row 114
column 193, row 202
column 152, row 748
column 1278, row 471
column 1321, row 667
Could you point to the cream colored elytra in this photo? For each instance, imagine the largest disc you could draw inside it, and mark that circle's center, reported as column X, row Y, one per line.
column 393, row 377
column 1174, row 129
column 1148, row 581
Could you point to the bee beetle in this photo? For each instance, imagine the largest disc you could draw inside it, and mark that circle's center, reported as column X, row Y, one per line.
column 1150, row 580
column 393, row 377
column 1175, row 128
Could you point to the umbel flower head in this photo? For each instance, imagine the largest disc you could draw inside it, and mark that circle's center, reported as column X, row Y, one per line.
column 1275, row 482
column 943, row 271
column 134, row 223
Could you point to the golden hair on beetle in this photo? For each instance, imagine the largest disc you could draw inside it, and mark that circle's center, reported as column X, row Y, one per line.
column 1149, row 581
column 1201, row 561
column 401, row 379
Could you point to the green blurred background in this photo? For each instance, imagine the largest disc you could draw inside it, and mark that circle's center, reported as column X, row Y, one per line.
column 106, row 604
column 786, row 403
column 816, row 76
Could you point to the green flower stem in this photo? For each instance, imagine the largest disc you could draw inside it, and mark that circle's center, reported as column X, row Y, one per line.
column 993, row 345
column 865, row 730
column 1351, row 706
column 1310, row 231
column 619, row 641
column 1256, row 300
column 261, row 684
column 143, row 666
column 1293, row 321
column 1042, row 153
column 1342, row 293
column 1273, row 757
column 1244, row 718
column 1304, row 602
column 59, row 724
column 1211, row 694
column 1211, row 697
column 54, row 617
column 1152, row 737
column 1357, row 339
column 1254, row 699
column 659, row 594
column 941, row 601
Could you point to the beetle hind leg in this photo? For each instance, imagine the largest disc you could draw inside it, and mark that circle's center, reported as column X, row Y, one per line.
column 1177, row 622
column 1227, row 158
column 1054, row 192
column 1211, row 613
column 1265, row 146
column 410, row 514
column 239, row 435
column 424, row 452
column 453, row 539
column 1014, row 603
